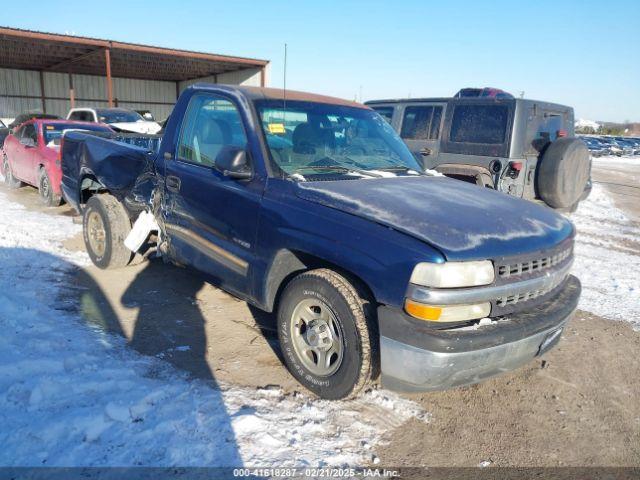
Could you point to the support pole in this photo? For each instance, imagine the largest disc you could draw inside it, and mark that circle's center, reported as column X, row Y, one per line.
column 44, row 103
column 107, row 61
column 72, row 93
column 263, row 76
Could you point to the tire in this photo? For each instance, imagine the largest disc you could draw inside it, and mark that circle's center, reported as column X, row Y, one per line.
column 45, row 190
column 105, row 225
column 9, row 180
column 563, row 172
column 327, row 299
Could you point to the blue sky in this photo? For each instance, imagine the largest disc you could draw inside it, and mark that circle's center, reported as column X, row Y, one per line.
column 585, row 54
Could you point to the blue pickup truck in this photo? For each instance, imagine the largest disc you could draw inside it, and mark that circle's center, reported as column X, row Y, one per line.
column 313, row 208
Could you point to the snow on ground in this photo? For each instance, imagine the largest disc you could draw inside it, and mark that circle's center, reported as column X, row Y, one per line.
column 72, row 395
column 607, row 259
column 624, row 160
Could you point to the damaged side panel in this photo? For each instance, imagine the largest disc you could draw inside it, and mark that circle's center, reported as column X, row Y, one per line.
column 125, row 170
column 94, row 163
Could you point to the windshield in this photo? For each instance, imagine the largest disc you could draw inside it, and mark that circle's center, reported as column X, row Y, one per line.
column 118, row 116
column 52, row 132
column 308, row 138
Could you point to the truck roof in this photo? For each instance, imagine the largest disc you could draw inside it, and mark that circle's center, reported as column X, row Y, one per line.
column 470, row 100
column 260, row 93
column 406, row 100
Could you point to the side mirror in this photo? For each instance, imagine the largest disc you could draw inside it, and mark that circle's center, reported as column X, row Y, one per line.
column 148, row 116
column 232, row 162
column 27, row 142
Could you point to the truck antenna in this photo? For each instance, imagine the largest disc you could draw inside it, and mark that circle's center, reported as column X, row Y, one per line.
column 284, row 86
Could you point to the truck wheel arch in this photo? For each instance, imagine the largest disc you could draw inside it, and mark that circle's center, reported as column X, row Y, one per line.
column 287, row 264
column 89, row 186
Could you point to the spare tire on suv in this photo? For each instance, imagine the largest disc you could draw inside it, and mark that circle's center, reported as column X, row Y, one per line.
column 563, row 172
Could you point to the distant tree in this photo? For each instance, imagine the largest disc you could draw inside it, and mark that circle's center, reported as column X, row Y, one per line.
column 615, row 131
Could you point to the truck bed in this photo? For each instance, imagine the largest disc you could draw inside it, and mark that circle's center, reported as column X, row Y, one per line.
column 116, row 162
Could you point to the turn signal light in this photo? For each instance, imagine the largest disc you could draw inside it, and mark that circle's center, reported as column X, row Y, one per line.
column 516, row 165
column 447, row 313
column 422, row 311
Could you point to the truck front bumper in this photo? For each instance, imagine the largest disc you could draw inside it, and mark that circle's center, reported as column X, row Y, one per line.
column 417, row 357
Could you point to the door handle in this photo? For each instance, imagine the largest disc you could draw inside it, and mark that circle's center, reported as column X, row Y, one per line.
column 425, row 152
column 173, row 183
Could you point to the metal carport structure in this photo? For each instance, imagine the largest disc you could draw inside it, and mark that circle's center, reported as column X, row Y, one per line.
column 55, row 72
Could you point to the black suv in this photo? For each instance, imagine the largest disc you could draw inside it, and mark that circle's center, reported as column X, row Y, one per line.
column 525, row 148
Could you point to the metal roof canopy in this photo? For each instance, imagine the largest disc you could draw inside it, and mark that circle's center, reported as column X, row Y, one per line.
column 29, row 50
column 50, row 52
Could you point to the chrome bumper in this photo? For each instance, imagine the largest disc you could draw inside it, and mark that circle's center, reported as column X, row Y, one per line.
column 408, row 368
column 416, row 358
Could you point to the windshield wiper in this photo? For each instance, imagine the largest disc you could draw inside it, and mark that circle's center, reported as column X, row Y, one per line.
column 401, row 168
column 338, row 168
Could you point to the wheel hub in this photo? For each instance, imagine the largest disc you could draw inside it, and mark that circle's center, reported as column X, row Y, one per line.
column 96, row 234
column 45, row 187
column 317, row 337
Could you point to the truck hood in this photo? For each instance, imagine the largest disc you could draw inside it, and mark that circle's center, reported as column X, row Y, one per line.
column 463, row 221
column 149, row 128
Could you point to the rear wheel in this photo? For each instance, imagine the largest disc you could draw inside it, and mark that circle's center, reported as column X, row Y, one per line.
column 324, row 327
column 105, row 225
column 49, row 198
column 9, row 180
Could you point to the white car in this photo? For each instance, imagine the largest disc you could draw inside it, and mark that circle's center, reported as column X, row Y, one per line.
column 119, row 119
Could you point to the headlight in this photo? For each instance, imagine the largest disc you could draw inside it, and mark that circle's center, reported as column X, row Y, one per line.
column 453, row 274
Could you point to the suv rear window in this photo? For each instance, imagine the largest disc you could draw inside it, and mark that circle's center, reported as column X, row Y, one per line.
column 384, row 112
column 421, row 123
column 484, row 124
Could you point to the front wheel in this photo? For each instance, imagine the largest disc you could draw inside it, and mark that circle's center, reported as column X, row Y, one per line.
column 324, row 327
column 9, row 180
column 105, row 225
column 48, row 196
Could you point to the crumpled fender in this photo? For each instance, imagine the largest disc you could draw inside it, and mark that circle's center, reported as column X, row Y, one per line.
column 114, row 164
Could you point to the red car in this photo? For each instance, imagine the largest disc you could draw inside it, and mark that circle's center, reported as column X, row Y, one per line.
column 31, row 155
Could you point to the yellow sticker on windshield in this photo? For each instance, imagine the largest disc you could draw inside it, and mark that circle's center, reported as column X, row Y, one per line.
column 276, row 128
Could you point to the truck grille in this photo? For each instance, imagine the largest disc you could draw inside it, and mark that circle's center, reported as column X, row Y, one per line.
column 530, row 295
column 534, row 266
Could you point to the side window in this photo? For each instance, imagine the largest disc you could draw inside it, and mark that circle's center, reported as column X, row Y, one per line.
column 384, row 112
column 483, row 124
column 421, row 122
column 210, row 123
column 29, row 131
column 81, row 116
column 434, row 132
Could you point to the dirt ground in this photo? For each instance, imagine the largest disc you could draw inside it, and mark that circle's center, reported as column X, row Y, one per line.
column 578, row 406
